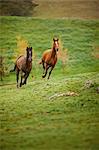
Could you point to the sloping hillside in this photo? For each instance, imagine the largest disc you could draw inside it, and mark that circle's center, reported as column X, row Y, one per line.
column 16, row 7
column 45, row 114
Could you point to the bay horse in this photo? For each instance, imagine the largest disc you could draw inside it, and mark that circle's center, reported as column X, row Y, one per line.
column 49, row 58
column 23, row 65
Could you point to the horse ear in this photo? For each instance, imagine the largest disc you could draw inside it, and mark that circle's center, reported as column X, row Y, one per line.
column 31, row 48
column 55, row 39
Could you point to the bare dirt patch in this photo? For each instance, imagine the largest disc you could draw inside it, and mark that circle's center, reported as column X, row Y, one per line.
column 67, row 9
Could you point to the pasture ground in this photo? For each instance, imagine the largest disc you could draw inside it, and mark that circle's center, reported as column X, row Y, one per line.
column 30, row 118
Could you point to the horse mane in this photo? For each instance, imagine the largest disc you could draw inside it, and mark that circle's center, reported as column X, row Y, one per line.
column 19, row 57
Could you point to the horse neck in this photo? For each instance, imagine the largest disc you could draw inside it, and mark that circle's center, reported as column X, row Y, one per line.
column 53, row 52
column 27, row 62
column 28, row 65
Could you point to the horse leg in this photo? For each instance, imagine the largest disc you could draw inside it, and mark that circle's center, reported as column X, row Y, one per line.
column 25, row 80
column 50, row 72
column 47, row 67
column 17, row 76
column 21, row 79
column 43, row 66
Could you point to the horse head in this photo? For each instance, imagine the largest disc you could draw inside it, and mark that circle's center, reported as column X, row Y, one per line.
column 29, row 54
column 56, row 44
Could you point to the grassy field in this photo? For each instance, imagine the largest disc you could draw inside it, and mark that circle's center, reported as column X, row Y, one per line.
column 39, row 116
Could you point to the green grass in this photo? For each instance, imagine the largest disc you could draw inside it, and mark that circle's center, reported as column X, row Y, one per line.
column 80, row 37
column 29, row 119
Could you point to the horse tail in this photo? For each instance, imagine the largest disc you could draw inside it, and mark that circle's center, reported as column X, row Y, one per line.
column 13, row 69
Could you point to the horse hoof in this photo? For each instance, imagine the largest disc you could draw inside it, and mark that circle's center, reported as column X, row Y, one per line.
column 20, row 85
column 43, row 76
column 23, row 83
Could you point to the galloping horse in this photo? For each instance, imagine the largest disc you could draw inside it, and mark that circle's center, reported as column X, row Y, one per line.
column 23, row 65
column 49, row 58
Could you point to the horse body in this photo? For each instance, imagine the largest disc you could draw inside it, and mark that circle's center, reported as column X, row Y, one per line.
column 49, row 58
column 23, row 66
column 21, row 63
